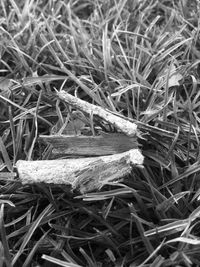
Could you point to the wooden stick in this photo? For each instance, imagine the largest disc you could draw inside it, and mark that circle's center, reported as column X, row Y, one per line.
column 121, row 124
column 83, row 174
column 101, row 145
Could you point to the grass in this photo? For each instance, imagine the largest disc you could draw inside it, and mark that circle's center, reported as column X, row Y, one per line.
column 139, row 59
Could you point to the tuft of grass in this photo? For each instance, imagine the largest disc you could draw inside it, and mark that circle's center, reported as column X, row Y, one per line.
column 139, row 59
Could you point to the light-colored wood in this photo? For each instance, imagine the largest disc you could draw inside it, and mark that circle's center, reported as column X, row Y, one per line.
column 83, row 174
column 119, row 123
column 90, row 173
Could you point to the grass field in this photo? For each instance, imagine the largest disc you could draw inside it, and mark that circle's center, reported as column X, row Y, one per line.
column 139, row 59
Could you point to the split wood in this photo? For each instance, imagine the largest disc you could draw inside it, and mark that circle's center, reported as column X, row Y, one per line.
column 101, row 145
column 83, row 174
column 90, row 173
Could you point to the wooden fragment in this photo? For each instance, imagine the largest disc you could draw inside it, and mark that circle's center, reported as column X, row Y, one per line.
column 119, row 123
column 7, row 175
column 83, row 174
column 104, row 144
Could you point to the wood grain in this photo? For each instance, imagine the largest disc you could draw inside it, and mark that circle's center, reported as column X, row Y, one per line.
column 83, row 174
column 104, row 144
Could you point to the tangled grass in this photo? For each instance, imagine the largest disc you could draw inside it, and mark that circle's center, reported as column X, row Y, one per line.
column 139, row 59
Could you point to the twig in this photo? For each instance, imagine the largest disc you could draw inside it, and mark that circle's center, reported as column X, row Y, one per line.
column 83, row 174
column 121, row 124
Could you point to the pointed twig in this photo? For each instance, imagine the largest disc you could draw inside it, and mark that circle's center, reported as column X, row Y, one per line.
column 119, row 123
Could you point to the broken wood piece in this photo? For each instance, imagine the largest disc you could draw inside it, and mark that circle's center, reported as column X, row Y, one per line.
column 119, row 123
column 104, row 144
column 83, row 174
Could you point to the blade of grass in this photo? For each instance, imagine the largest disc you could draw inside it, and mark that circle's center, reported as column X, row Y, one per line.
column 30, row 232
column 5, row 156
column 140, row 228
column 59, row 262
column 29, row 258
column 4, row 238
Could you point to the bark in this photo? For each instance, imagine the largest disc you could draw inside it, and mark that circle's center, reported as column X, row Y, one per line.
column 119, row 123
column 83, row 174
